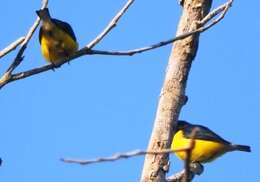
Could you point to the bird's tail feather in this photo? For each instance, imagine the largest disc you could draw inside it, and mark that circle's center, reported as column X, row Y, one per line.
column 243, row 148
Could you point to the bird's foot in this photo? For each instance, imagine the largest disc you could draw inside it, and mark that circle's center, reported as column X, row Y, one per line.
column 54, row 66
column 166, row 167
column 196, row 168
column 184, row 99
column 181, row 2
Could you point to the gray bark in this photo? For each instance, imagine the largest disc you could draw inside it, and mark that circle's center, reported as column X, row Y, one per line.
column 172, row 95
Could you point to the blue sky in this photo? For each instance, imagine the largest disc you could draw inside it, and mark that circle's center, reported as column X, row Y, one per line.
column 100, row 105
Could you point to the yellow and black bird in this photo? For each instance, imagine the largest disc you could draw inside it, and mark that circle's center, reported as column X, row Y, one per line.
column 208, row 145
column 56, row 37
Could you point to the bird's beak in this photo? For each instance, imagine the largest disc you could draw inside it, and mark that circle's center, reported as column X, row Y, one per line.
column 38, row 12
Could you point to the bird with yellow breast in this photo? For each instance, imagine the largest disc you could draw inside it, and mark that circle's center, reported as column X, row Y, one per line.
column 56, row 37
column 207, row 144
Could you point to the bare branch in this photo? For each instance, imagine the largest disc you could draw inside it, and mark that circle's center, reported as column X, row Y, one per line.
column 173, row 90
column 178, row 177
column 187, row 174
column 221, row 9
column 195, row 169
column 79, row 53
column 19, row 57
column 11, row 47
column 125, row 155
column 87, row 51
column 35, row 25
column 23, row 40
column 110, row 26
column 28, row 37
column 190, row 169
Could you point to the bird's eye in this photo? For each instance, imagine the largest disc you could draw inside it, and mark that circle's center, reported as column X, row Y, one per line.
column 49, row 33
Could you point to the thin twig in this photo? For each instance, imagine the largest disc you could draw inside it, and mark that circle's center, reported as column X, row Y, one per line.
column 177, row 177
column 195, row 169
column 26, row 39
column 35, row 25
column 17, row 61
column 216, row 11
column 11, row 47
column 125, row 155
column 12, row 77
column 187, row 174
column 190, row 169
column 110, row 26
column 221, row 9
column 7, row 77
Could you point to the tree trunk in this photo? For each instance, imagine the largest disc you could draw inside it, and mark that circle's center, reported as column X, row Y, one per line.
column 172, row 95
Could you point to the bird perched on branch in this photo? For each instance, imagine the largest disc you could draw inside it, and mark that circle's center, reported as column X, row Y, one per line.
column 56, row 37
column 207, row 144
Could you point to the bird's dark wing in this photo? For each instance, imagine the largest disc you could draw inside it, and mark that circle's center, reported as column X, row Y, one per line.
column 65, row 27
column 203, row 133
column 40, row 35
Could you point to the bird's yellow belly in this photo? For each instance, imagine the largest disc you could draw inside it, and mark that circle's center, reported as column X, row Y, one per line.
column 203, row 151
column 58, row 47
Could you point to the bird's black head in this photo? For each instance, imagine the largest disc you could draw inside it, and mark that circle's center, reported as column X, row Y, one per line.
column 182, row 124
column 43, row 13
